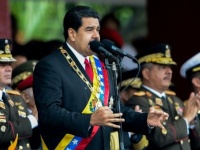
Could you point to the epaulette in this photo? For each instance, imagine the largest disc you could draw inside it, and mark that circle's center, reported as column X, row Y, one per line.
column 139, row 93
column 14, row 92
column 170, row 93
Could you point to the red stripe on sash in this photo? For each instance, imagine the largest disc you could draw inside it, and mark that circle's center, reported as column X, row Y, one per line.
column 106, row 85
column 84, row 142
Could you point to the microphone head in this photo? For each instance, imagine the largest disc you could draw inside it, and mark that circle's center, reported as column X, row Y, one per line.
column 95, row 45
column 107, row 44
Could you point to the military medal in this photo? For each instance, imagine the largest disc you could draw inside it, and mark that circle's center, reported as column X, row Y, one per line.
column 150, row 102
column 22, row 114
column 178, row 108
column 21, row 107
column 2, row 105
column 170, row 100
column 3, row 120
column 11, row 102
column 159, row 101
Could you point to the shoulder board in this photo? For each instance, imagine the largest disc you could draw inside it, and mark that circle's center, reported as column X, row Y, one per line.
column 139, row 93
column 14, row 92
column 170, row 93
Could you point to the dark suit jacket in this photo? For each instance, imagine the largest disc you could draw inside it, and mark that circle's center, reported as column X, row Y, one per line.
column 15, row 123
column 176, row 137
column 60, row 98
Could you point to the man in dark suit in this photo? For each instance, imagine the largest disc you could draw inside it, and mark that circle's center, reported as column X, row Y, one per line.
column 73, row 106
column 16, row 123
column 156, row 72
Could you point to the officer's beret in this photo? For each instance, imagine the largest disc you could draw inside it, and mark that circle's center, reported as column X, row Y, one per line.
column 5, row 55
column 191, row 66
column 113, row 35
column 130, row 78
column 160, row 54
column 24, row 84
column 22, row 71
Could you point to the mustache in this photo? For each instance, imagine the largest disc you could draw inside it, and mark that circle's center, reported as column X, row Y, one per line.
column 168, row 77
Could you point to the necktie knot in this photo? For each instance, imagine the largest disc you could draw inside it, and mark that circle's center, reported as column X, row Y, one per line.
column 163, row 98
column 88, row 69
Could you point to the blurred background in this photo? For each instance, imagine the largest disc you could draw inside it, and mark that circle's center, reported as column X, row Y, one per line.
column 34, row 24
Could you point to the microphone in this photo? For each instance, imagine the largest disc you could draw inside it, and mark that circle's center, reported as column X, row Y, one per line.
column 97, row 47
column 108, row 44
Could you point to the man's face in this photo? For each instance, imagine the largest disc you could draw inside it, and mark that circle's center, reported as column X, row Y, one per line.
column 158, row 77
column 88, row 32
column 5, row 74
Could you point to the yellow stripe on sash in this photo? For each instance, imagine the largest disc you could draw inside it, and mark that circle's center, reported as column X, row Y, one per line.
column 44, row 147
column 65, row 141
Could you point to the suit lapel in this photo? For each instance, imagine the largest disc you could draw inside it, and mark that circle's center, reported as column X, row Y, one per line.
column 76, row 61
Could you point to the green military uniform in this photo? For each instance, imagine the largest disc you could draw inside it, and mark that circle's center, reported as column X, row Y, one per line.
column 14, row 121
column 15, row 126
column 175, row 135
column 21, row 80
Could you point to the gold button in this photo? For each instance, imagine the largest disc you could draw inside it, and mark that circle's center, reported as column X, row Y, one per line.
column 164, row 131
column 20, row 147
column 181, row 142
column 177, row 117
column 3, row 128
column 28, row 145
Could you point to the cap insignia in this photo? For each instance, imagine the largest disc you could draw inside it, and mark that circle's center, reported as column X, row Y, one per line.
column 167, row 52
column 7, row 49
column 6, row 41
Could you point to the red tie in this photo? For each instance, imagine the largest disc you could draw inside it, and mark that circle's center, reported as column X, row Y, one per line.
column 88, row 69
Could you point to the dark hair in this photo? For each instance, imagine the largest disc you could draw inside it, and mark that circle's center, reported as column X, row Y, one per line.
column 73, row 18
column 143, row 66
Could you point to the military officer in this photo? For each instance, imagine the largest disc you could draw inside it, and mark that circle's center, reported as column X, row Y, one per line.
column 130, row 84
column 22, row 72
column 191, row 71
column 16, row 123
column 156, row 74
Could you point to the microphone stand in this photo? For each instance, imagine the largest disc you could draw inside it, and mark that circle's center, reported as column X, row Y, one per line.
column 117, row 100
column 113, row 68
